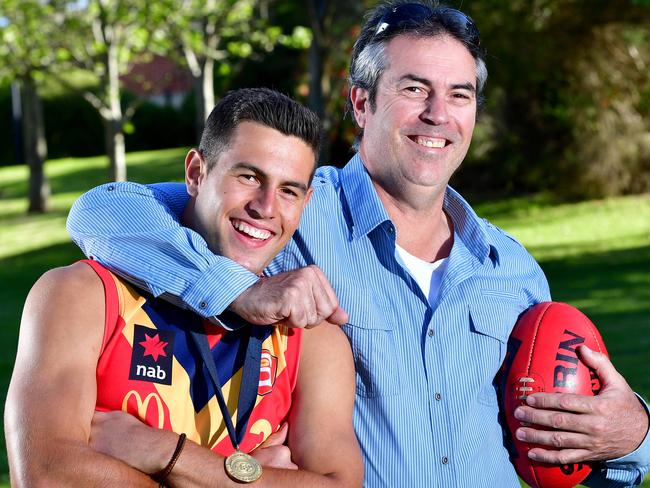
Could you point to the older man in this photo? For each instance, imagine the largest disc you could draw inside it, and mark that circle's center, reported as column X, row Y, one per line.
column 432, row 291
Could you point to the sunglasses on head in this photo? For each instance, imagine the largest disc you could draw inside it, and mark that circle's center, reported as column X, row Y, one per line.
column 413, row 14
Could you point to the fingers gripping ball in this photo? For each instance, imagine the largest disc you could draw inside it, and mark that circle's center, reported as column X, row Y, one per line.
column 542, row 357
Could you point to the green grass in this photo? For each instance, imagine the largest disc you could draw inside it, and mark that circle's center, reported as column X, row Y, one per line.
column 596, row 254
column 32, row 244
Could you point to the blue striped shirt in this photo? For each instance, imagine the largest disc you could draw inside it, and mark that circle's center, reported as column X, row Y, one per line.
column 426, row 411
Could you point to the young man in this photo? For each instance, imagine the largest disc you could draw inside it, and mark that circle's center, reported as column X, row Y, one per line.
column 91, row 341
column 432, row 291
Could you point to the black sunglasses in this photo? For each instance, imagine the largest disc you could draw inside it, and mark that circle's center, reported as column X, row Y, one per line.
column 413, row 14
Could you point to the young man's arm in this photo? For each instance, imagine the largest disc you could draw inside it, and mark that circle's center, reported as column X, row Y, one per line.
column 51, row 399
column 321, row 437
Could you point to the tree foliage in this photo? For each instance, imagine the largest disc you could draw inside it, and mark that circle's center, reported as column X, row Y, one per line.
column 563, row 73
column 215, row 37
column 102, row 38
column 568, row 96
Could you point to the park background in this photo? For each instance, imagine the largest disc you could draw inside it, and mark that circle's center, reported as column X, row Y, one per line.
column 97, row 90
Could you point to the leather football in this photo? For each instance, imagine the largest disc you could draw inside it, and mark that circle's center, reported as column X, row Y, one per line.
column 542, row 357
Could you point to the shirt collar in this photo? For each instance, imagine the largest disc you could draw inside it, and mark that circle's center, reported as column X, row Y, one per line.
column 469, row 227
column 367, row 211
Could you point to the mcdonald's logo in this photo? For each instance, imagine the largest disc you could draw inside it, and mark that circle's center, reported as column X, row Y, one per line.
column 143, row 407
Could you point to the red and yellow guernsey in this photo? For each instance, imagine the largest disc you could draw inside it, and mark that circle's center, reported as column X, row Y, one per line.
column 149, row 367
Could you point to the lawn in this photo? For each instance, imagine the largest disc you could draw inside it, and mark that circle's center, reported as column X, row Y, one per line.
column 596, row 254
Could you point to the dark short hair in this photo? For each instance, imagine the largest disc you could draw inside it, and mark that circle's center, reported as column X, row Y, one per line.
column 263, row 106
column 369, row 53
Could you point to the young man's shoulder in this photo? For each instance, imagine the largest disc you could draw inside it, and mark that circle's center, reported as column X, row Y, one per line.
column 76, row 277
column 324, row 340
column 66, row 295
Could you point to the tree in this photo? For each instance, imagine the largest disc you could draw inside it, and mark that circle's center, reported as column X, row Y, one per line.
column 565, row 90
column 335, row 25
column 25, row 55
column 102, row 38
column 216, row 36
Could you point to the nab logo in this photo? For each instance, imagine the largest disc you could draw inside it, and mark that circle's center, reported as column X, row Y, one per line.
column 268, row 372
column 152, row 356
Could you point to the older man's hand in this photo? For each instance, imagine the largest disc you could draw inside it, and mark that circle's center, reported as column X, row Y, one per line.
column 606, row 426
column 300, row 298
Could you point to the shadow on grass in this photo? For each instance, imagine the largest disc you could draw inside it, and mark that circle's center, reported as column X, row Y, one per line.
column 613, row 289
column 19, row 214
column 585, row 248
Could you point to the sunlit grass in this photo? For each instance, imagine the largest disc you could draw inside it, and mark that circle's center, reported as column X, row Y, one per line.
column 69, row 177
column 555, row 231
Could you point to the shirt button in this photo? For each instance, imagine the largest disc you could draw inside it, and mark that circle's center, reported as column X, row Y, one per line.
column 391, row 229
column 111, row 188
column 445, row 460
column 438, row 396
column 203, row 304
column 430, row 333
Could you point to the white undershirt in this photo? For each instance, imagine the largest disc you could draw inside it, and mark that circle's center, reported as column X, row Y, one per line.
column 427, row 275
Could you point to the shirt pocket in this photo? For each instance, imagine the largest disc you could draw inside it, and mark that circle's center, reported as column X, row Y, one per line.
column 374, row 349
column 490, row 324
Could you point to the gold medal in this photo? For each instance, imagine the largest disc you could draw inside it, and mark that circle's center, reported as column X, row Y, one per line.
column 242, row 467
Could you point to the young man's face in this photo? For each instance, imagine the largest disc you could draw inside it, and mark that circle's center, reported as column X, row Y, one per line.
column 249, row 204
column 425, row 112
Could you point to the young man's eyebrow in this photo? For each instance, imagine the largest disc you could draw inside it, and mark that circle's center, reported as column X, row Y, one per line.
column 251, row 167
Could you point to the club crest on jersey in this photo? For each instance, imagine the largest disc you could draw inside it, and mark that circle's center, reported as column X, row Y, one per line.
column 268, row 372
column 152, row 355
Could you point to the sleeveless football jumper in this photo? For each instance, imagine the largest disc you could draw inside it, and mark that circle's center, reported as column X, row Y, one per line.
column 150, row 367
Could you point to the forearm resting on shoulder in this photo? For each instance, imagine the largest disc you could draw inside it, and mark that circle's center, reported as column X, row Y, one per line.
column 135, row 231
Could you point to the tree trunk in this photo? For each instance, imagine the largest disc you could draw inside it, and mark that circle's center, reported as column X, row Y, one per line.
column 199, row 107
column 114, row 141
column 208, row 87
column 35, row 147
column 113, row 132
column 204, row 95
column 316, row 97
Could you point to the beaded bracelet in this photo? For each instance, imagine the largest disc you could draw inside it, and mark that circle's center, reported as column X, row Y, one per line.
column 162, row 475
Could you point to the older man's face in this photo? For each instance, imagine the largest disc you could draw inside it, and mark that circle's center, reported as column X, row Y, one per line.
column 425, row 114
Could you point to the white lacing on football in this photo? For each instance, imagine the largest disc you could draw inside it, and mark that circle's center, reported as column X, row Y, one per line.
column 524, row 389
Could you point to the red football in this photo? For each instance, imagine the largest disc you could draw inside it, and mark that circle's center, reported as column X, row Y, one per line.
column 542, row 357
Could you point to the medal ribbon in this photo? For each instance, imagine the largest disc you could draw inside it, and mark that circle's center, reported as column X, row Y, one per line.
column 249, row 381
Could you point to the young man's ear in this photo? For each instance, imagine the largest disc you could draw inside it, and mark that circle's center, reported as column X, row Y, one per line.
column 359, row 99
column 195, row 170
